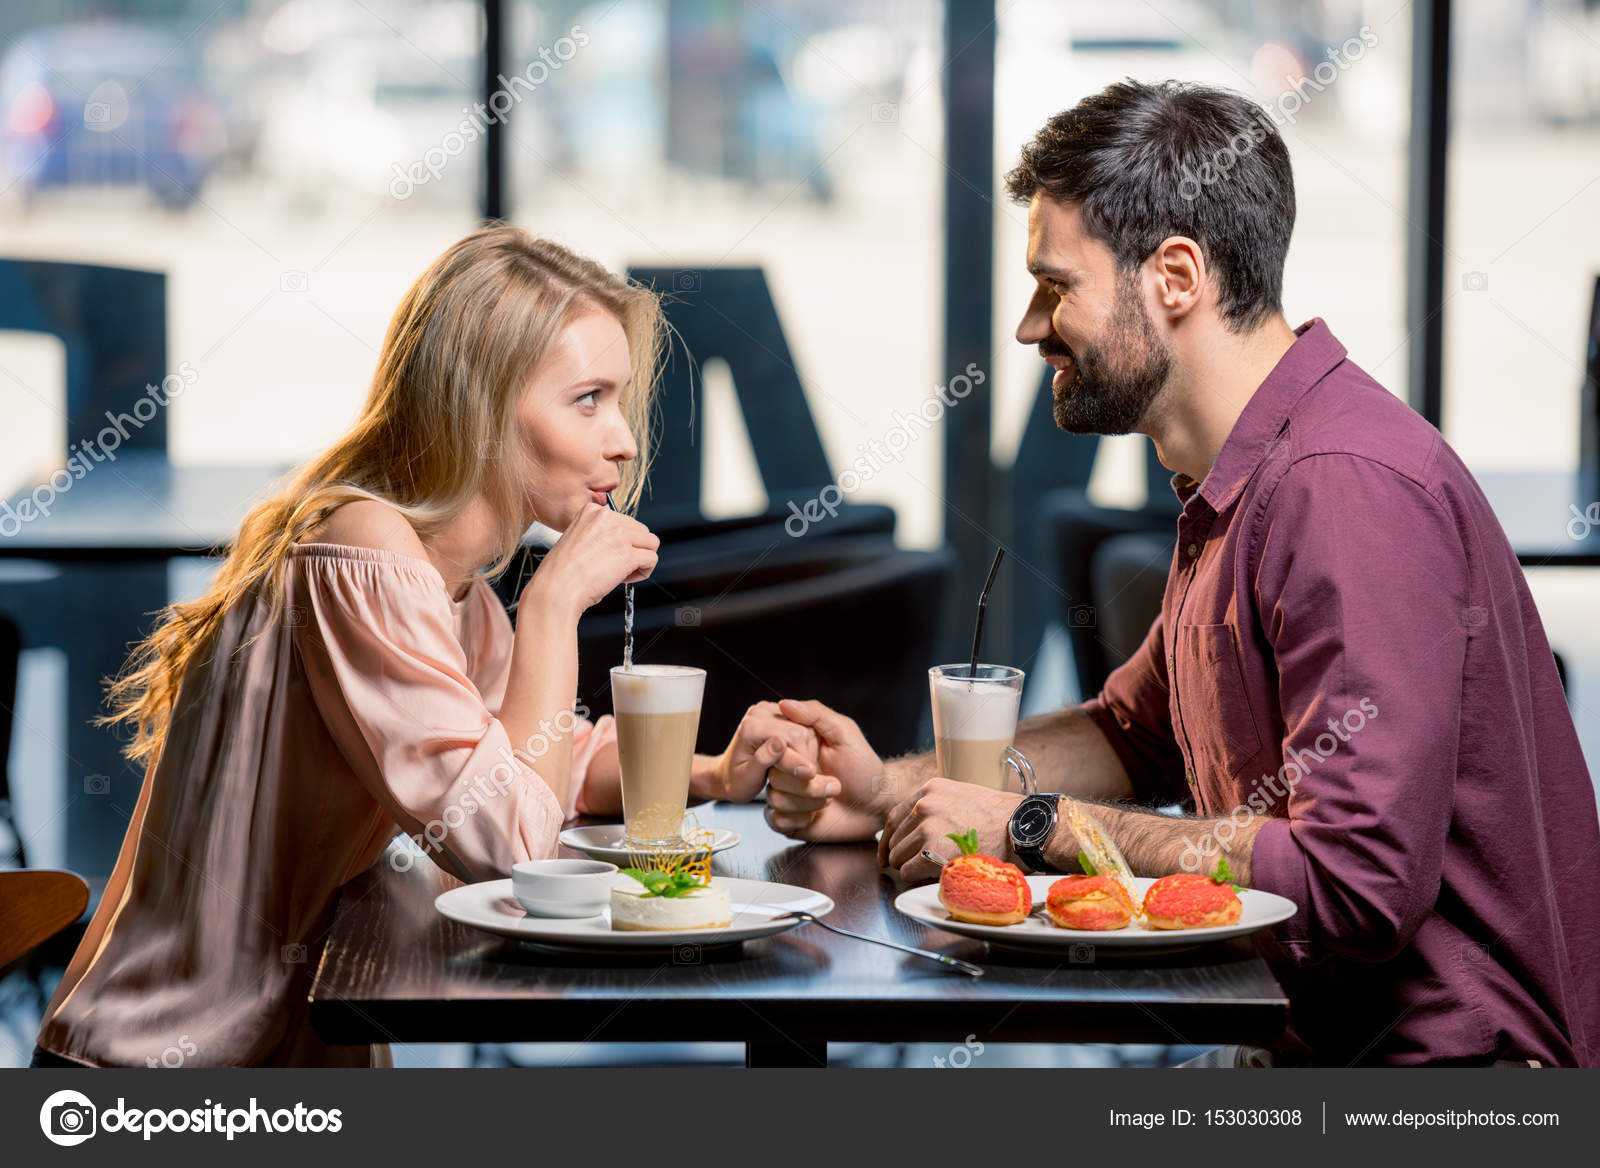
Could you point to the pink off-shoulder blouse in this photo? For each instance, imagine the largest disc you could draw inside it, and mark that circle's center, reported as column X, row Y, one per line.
column 289, row 766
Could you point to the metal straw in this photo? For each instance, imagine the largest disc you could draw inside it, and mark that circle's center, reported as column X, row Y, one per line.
column 983, row 604
column 627, row 617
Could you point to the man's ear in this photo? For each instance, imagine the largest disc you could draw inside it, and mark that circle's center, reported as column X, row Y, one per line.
column 1180, row 274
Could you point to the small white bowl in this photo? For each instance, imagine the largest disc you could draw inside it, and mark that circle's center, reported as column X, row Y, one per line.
column 563, row 888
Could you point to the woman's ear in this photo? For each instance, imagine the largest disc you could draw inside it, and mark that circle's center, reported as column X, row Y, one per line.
column 1180, row 272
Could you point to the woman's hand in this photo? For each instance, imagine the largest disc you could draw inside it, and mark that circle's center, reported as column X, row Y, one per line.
column 765, row 741
column 845, row 796
column 599, row 550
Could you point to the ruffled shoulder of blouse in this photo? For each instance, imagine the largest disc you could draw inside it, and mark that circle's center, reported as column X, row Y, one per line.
column 379, row 563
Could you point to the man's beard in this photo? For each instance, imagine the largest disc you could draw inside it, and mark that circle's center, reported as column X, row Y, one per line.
column 1118, row 375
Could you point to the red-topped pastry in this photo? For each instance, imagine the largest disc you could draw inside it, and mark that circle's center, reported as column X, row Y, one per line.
column 983, row 890
column 1191, row 900
column 1098, row 903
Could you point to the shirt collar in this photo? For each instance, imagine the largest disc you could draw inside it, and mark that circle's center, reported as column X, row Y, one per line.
column 1307, row 361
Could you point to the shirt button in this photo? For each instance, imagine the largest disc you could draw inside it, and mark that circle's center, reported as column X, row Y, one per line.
column 1193, row 550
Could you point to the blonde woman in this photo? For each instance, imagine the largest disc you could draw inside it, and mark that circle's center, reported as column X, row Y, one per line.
column 351, row 674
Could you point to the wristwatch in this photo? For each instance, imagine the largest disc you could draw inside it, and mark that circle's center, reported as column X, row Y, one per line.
column 1032, row 824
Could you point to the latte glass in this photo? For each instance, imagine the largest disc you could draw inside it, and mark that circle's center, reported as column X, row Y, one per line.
column 975, row 723
column 657, row 708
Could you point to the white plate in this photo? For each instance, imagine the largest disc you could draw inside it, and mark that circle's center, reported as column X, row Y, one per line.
column 1036, row 932
column 758, row 911
column 605, row 842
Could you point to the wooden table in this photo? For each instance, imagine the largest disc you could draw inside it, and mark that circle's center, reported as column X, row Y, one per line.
column 394, row 970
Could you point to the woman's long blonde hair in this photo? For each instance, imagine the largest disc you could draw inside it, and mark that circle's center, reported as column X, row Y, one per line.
column 442, row 407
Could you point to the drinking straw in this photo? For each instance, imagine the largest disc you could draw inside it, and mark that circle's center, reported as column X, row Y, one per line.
column 627, row 596
column 983, row 604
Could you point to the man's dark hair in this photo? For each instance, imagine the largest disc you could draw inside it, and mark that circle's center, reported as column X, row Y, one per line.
column 1144, row 162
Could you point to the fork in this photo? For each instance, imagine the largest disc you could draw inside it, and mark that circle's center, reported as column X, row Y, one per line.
column 965, row 967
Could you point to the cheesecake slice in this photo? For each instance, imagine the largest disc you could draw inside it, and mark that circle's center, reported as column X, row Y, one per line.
column 704, row 908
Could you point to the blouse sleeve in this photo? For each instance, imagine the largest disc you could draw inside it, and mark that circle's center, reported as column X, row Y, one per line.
column 384, row 666
column 490, row 645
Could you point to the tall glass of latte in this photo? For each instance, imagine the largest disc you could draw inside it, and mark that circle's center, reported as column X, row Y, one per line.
column 657, row 708
column 975, row 720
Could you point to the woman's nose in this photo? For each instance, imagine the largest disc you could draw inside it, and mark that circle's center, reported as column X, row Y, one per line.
column 621, row 446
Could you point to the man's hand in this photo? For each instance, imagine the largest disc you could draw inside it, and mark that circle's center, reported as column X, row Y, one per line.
column 845, row 799
column 765, row 741
column 937, row 808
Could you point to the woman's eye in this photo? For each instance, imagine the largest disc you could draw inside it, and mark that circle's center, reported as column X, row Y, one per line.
column 588, row 400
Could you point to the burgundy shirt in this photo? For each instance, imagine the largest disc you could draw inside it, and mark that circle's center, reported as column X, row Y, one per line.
column 1348, row 647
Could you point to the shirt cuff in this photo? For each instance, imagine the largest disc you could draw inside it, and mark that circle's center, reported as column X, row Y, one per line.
column 1277, row 865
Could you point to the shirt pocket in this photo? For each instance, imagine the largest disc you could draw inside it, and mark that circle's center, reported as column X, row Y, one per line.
column 1213, row 701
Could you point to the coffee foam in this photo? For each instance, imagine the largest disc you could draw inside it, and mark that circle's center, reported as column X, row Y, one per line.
column 657, row 689
column 983, row 710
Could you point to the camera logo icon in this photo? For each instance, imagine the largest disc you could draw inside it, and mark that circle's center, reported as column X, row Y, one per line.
column 686, row 281
column 687, row 617
column 686, row 955
column 67, row 1118
column 293, row 281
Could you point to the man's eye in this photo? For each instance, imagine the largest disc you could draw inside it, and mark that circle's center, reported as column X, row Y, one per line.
column 1059, row 288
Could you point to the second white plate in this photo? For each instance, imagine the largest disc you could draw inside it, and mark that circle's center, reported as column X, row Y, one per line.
column 1036, row 932
column 606, row 842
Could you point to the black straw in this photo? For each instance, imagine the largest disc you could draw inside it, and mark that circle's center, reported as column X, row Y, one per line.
column 983, row 604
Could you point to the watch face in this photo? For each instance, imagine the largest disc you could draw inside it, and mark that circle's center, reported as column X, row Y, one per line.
column 1034, row 819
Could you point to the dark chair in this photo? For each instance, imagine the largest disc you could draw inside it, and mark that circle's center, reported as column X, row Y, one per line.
column 1050, row 461
column 729, row 313
column 1076, row 529
column 1128, row 580
column 112, row 323
column 855, row 631
column 700, row 547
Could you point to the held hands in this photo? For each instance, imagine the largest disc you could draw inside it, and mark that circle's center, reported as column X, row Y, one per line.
column 938, row 807
column 846, row 798
column 765, row 745
column 599, row 550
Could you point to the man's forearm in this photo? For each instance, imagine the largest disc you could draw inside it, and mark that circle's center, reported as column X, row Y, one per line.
column 1066, row 750
column 1156, row 845
column 1069, row 754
